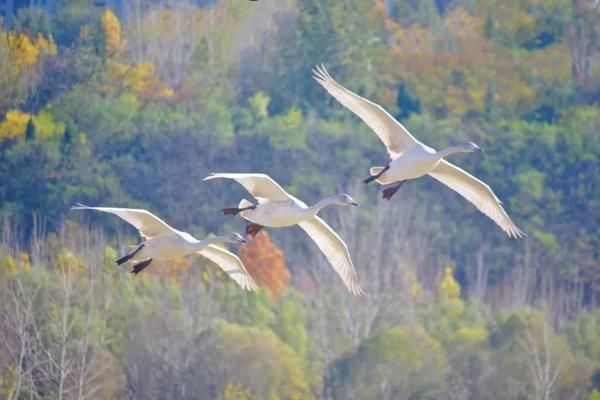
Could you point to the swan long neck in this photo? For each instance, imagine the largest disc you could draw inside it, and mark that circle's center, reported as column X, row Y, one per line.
column 321, row 204
column 451, row 150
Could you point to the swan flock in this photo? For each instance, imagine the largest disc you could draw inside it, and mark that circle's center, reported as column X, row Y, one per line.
column 276, row 208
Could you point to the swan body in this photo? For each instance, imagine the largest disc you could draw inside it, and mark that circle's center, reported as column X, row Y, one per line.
column 177, row 245
column 418, row 161
column 411, row 159
column 162, row 242
column 276, row 208
column 278, row 214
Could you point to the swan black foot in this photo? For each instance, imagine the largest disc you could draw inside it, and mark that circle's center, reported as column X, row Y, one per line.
column 376, row 176
column 389, row 192
column 137, row 268
column 129, row 256
column 236, row 211
column 253, row 229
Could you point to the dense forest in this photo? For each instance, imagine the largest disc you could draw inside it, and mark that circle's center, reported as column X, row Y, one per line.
column 135, row 111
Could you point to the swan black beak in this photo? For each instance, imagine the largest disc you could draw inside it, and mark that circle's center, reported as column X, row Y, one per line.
column 354, row 203
column 243, row 241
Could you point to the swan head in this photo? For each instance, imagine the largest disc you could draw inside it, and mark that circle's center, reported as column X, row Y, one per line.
column 344, row 200
column 471, row 147
column 235, row 238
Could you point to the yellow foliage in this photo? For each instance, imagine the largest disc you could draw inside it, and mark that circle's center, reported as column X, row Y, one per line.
column 23, row 50
column 24, row 261
column 142, row 80
column 146, row 83
column 236, row 392
column 454, row 308
column 110, row 254
column 292, row 119
column 112, row 31
column 67, row 263
column 46, row 126
column 10, row 265
column 459, row 63
column 14, row 124
column 45, row 46
column 415, row 289
column 475, row 334
column 26, row 52
column 20, row 59
column 259, row 104
column 595, row 395
column 449, row 287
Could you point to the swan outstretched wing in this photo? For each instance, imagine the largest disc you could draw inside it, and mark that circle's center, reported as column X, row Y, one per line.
column 396, row 138
column 261, row 186
column 148, row 224
column 335, row 250
column 231, row 264
column 478, row 193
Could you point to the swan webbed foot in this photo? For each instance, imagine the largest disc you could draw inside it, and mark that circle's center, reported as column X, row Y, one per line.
column 137, row 268
column 129, row 256
column 370, row 179
column 389, row 192
column 236, row 211
column 253, row 229
column 376, row 176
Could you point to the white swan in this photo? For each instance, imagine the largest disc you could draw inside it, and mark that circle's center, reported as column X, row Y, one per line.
column 412, row 159
column 276, row 208
column 161, row 242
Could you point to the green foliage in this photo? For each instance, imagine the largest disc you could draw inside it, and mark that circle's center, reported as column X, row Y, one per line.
column 243, row 350
column 583, row 335
column 136, row 112
column 401, row 363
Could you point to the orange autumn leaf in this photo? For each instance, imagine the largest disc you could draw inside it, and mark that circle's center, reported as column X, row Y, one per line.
column 265, row 263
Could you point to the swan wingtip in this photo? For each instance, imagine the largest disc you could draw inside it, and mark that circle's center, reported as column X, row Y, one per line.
column 210, row 176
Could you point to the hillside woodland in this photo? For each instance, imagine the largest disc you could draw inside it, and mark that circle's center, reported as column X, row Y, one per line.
column 135, row 112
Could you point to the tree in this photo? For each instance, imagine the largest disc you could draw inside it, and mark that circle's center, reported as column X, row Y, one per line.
column 399, row 363
column 584, row 43
column 30, row 130
column 112, row 32
column 265, row 263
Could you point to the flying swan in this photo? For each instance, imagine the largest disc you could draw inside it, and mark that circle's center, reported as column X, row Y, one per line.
column 276, row 208
column 161, row 242
column 412, row 159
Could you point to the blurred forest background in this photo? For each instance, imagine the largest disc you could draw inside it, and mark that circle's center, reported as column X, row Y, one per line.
column 135, row 110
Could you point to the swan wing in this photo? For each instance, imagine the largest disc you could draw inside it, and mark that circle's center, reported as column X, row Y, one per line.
column 396, row 138
column 231, row 264
column 335, row 250
column 148, row 224
column 478, row 193
column 261, row 186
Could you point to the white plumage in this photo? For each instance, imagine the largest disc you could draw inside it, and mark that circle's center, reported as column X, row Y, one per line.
column 277, row 208
column 411, row 159
column 163, row 242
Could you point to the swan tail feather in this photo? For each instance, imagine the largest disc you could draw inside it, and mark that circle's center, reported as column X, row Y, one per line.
column 376, row 170
column 244, row 204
